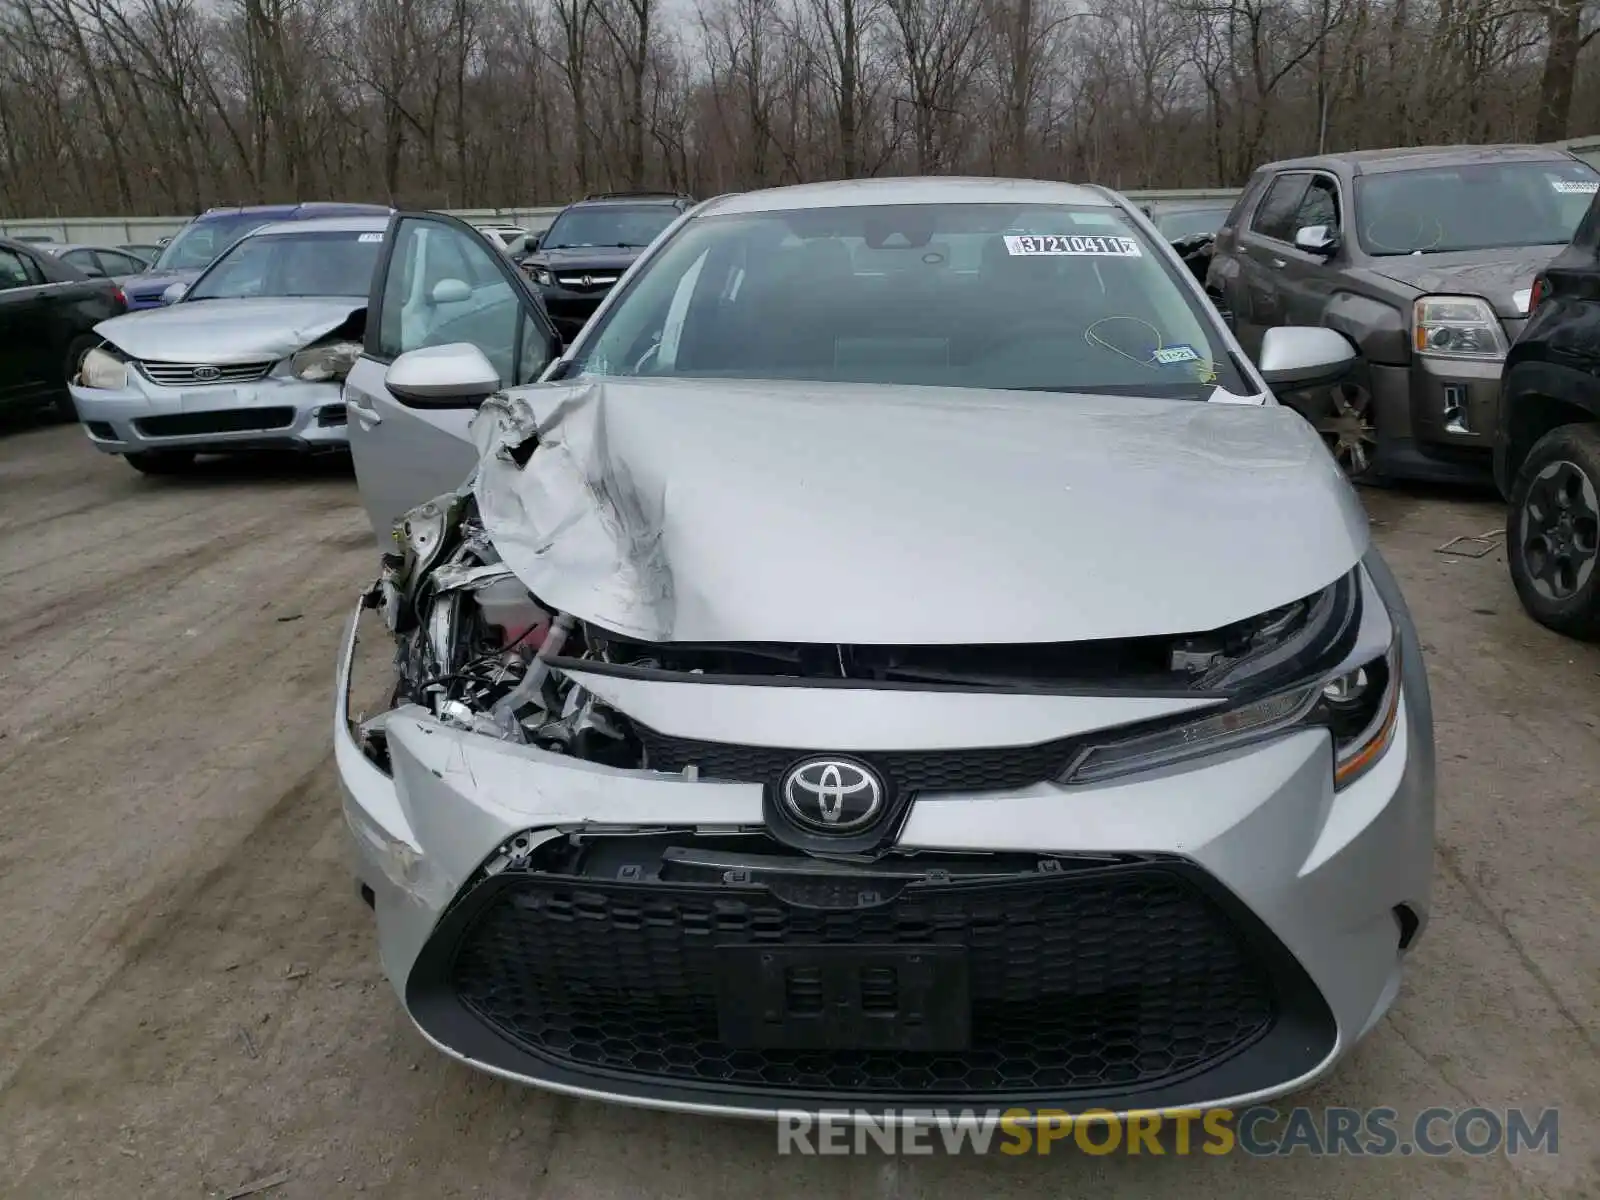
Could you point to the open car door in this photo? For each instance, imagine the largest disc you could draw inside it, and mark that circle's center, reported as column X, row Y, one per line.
column 439, row 283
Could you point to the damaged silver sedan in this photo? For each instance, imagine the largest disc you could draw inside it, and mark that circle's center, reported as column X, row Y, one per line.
column 251, row 357
column 900, row 657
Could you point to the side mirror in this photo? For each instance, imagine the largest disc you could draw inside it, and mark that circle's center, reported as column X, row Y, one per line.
column 174, row 293
column 532, row 244
column 1303, row 356
column 450, row 291
column 453, row 376
column 1316, row 239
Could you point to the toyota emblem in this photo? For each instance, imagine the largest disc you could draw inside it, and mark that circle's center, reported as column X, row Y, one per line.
column 206, row 373
column 832, row 795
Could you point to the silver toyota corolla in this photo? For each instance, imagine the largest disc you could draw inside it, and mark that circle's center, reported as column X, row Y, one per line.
column 899, row 657
column 250, row 357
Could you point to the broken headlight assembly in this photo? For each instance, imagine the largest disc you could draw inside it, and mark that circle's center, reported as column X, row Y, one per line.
column 325, row 361
column 103, row 371
column 1357, row 701
column 473, row 645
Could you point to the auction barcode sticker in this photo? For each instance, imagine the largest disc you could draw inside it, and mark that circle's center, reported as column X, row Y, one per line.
column 1076, row 243
column 1576, row 187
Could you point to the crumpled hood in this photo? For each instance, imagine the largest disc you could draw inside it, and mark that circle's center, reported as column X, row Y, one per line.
column 227, row 331
column 1501, row 277
column 702, row 510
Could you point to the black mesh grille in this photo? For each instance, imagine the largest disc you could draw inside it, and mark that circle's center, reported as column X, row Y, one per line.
column 1108, row 979
column 972, row 770
column 233, row 420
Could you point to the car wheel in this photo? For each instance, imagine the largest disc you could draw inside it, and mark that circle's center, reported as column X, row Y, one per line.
column 1347, row 422
column 1553, row 531
column 76, row 352
column 161, row 462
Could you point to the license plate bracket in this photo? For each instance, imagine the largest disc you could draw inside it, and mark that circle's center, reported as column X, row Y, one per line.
column 207, row 400
column 844, row 998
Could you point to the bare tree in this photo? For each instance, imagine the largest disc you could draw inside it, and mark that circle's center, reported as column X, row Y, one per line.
column 126, row 106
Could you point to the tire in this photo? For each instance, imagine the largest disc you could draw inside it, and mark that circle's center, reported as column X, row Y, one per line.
column 76, row 351
column 161, row 462
column 1553, row 531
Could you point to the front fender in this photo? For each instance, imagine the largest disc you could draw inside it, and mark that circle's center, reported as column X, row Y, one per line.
column 1379, row 331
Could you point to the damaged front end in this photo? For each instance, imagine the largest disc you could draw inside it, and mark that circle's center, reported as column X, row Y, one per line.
column 474, row 646
column 654, row 811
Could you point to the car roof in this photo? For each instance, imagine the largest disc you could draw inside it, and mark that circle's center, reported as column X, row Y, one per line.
column 629, row 198
column 364, row 224
column 294, row 212
column 1412, row 158
column 943, row 189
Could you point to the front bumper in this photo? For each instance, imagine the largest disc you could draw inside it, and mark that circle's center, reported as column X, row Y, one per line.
column 1437, row 418
column 269, row 414
column 570, row 308
column 1210, row 936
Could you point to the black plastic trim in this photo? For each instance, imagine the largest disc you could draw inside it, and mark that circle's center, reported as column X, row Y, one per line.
column 1110, row 688
column 1301, row 1036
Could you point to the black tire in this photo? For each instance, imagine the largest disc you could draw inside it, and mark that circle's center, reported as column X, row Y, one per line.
column 1553, row 531
column 161, row 462
column 76, row 351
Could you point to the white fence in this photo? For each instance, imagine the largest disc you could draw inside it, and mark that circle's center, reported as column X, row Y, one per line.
column 129, row 230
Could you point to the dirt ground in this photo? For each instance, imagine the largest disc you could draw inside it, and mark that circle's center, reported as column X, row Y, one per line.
column 189, row 995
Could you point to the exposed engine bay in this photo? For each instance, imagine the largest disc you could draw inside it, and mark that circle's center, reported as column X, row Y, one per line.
column 480, row 652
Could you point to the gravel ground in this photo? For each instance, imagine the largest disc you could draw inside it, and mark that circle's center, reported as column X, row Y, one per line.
column 189, row 996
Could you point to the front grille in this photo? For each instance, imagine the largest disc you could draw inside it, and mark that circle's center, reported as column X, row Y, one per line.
column 170, row 374
column 233, row 420
column 1100, row 980
column 578, row 281
column 985, row 768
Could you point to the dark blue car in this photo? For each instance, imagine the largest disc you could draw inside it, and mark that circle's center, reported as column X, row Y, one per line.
column 198, row 243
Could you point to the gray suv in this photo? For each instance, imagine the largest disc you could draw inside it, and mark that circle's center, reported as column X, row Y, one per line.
column 1424, row 258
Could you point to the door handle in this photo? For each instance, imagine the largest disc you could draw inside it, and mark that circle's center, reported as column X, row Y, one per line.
column 1278, row 262
column 362, row 413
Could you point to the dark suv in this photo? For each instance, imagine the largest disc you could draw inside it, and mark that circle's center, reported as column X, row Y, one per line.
column 1424, row 258
column 1547, row 442
column 590, row 244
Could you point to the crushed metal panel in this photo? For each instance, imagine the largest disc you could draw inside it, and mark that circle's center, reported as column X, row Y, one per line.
column 571, row 519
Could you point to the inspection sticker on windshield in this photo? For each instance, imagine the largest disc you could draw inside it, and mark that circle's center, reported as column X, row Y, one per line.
column 1077, row 243
column 370, row 237
column 1576, row 187
column 1177, row 354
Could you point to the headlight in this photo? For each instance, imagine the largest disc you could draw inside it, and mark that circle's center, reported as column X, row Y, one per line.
column 1457, row 327
column 1357, row 702
column 542, row 277
column 103, row 372
column 331, row 360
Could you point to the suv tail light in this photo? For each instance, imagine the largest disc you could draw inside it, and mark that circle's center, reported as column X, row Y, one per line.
column 1541, row 289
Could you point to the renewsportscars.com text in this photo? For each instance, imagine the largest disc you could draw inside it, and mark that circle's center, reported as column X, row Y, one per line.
column 1259, row 1131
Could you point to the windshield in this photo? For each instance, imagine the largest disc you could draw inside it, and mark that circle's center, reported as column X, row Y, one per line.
column 293, row 264
column 621, row 225
column 1048, row 298
column 199, row 242
column 1474, row 206
column 1187, row 223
